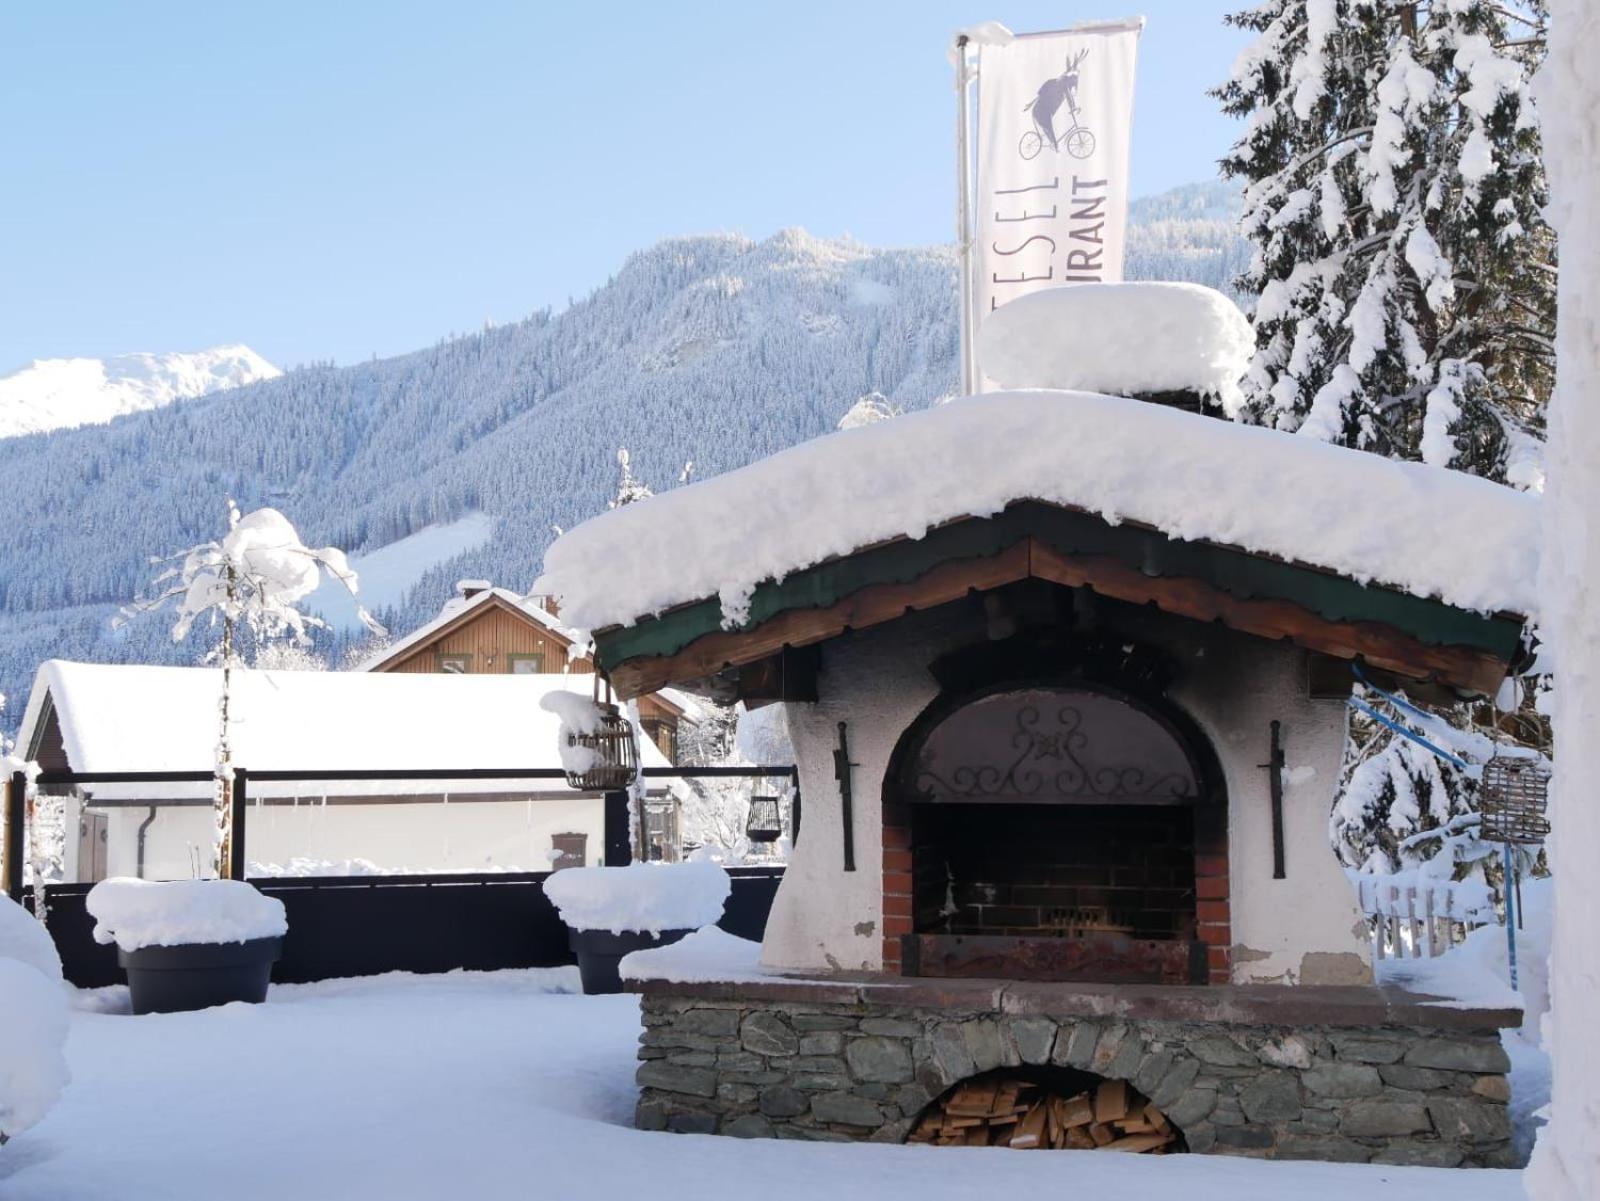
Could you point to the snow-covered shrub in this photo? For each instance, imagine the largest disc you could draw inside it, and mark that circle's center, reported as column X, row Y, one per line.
column 640, row 897
column 24, row 938
column 143, row 913
column 33, row 1031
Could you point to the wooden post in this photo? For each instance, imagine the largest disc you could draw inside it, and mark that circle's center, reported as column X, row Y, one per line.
column 1433, row 926
column 618, row 845
column 238, row 799
column 15, row 798
column 1411, row 921
column 1394, row 921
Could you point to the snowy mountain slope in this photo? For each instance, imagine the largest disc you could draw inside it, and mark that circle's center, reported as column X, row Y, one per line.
column 716, row 349
column 51, row 394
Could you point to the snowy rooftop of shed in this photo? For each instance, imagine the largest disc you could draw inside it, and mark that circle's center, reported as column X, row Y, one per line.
column 1417, row 529
column 119, row 717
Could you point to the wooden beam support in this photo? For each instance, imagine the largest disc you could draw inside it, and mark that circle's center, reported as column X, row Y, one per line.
column 1380, row 645
column 871, row 606
column 1276, row 620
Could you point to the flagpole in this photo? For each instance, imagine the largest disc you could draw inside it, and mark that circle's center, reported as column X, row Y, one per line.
column 964, row 215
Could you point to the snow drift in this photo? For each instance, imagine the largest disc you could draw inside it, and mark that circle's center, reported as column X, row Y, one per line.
column 33, row 1031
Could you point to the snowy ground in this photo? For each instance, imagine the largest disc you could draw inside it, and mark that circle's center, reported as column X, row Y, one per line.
column 485, row 1086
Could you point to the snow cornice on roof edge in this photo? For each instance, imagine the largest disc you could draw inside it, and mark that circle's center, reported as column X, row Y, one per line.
column 1427, row 532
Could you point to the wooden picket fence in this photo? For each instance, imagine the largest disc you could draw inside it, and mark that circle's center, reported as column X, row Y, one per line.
column 1412, row 922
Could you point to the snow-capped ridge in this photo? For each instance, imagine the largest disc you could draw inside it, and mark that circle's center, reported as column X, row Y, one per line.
column 51, row 394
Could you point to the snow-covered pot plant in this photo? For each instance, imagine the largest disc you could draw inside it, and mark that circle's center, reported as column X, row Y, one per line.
column 613, row 911
column 189, row 944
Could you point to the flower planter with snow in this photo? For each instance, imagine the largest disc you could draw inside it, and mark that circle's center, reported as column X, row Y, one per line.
column 190, row 944
column 614, row 911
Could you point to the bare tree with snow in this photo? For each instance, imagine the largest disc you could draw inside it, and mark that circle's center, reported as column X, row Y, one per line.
column 249, row 581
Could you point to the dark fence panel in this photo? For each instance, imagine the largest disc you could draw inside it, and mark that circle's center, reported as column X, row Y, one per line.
column 745, row 914
column 365, row 925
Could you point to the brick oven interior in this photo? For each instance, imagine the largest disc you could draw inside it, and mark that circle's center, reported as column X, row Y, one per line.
column 1054, row 871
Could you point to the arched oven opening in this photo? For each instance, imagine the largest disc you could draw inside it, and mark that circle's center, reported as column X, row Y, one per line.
column 1054, row 832
column 1047, row 1109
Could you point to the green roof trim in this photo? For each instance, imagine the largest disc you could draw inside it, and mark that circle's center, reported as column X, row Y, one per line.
column 1236, row 572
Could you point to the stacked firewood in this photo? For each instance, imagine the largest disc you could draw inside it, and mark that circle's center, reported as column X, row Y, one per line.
column 1112, row 1116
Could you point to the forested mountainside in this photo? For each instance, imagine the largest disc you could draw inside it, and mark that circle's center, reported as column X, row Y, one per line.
column 713, row 349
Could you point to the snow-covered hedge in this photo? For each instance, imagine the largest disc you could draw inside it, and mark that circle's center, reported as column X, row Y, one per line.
column 141, row 913
column 1124, row 339
column 33, row 1031
column 641, row 896
column 23, row 938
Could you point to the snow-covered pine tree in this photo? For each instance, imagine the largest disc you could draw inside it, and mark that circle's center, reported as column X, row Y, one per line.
column 1404, row 275
column 629, row 487
column 1405, row 284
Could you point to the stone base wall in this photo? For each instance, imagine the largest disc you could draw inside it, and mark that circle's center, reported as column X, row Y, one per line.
column 852, row 1072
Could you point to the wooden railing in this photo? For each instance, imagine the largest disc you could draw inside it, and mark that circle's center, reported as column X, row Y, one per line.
column 1408, row 920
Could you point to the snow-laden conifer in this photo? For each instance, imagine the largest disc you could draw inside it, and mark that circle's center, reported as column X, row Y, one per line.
column 1404, row 275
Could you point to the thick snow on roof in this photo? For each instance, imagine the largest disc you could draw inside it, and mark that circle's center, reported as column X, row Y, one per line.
column 1131, row 339
column 1420, row 529
column 135, row 718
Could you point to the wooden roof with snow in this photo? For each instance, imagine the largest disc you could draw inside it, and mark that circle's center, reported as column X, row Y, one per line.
column 1418, row 571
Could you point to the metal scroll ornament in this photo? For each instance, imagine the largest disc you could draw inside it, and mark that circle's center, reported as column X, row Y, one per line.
column 1042, row 745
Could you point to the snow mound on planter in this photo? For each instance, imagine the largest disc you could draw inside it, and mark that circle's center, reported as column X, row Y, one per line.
column 1124, row 339
column 707, row 954
column 641, row 896
column 1423, row 530
column 33, row 1031
column 144, row 913
column 23, row 938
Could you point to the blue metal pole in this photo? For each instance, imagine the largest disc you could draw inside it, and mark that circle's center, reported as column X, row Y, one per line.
column 1511, row 916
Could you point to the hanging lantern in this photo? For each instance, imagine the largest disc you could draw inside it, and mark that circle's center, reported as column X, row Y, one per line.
column 765, row 823
column 614, row 762
column 1511, row 801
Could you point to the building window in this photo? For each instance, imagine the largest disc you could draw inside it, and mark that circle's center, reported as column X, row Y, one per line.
column 664, row 733
column 525, row 665
column 455, row 665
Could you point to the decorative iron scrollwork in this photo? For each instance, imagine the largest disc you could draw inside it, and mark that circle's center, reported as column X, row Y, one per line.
column 1048, row 754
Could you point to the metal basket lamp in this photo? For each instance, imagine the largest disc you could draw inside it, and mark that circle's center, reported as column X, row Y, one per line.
column 765, row 823
column 616, row 763
column 1512, row 797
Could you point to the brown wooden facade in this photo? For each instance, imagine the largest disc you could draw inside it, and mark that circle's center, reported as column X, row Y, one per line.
column 494, row 637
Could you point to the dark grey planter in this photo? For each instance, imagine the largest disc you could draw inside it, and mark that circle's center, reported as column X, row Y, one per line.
column 600, row 952
column 199, row 975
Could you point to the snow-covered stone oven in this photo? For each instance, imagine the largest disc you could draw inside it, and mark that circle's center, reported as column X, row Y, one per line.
column 1065, row 674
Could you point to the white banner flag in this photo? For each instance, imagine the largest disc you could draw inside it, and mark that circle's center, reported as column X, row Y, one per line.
column 1055, row 115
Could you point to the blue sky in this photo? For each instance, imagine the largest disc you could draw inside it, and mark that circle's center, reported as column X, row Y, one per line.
column 336, row 180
